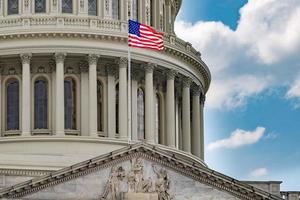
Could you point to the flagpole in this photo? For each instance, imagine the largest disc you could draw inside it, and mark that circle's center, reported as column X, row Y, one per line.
column 129, row 96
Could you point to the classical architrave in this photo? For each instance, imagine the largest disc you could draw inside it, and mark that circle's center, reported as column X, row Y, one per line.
column 148, row 152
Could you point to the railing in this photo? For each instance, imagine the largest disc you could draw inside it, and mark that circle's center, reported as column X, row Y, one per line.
column 84, row 23
column 295, row 195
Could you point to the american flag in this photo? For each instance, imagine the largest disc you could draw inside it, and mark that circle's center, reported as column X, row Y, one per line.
column 143, row 36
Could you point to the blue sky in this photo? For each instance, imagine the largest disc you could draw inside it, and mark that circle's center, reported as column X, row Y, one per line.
column 252, row 113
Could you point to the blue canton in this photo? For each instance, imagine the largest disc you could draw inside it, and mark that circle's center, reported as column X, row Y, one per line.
column 134, row 28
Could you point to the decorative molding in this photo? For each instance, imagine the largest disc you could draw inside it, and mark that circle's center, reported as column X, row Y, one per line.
column 196, row 90
column 60, row 57
column 149, row 67
column 93, row 59
column 26, row 57
column 202, row 99
column 186, row 82
column 110, row 69
column 83, row 66
column 24, row 172
column 123, row 62
column 171, row 74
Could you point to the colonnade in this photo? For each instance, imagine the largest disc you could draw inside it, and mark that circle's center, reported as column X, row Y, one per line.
column 191, row 124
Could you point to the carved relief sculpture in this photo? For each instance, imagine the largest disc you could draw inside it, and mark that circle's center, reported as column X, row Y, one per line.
column 136, row 182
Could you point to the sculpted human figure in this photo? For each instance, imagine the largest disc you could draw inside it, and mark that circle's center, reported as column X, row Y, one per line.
column 162, row 184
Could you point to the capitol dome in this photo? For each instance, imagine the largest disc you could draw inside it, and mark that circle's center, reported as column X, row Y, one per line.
column 64, row 82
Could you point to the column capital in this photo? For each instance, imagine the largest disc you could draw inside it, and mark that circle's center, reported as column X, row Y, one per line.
column 93, row 59
column 60, row 57
column 122, row 62
column 196, row 90
column 83, row 66
column 26, row 57
column 171, row 74
column 187, row 81
column 110, row 70
column 202, row 99
column 149, row 67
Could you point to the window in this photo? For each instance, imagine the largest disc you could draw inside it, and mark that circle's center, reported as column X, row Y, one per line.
column 141, row 114
column 40, row 6
column 100, row 105
column 13, row 7
column 67, row 6
column 40, row 104
column 93, row 7
column 157, row 119
column 115, row 9
column 70, row 103
column 152, row 13
column 117, row 108
column 134, row 11
column 12, row 108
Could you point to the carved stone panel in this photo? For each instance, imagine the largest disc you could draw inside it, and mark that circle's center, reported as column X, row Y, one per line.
column 137, row 178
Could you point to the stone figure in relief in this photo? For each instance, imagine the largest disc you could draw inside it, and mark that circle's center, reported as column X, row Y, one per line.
column 136, row 181
column 117, row 175
column 162, row 184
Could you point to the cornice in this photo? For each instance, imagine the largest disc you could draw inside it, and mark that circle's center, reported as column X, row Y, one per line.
column 151, row 153
column 23, row 172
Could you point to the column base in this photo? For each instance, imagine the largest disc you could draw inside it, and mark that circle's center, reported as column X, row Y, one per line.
column 60, row 133
column 26, row 133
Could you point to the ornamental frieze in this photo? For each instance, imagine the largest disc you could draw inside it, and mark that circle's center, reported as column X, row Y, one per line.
column 137, row 182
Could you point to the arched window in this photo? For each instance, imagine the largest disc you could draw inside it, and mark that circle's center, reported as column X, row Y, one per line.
column 100, row 105
column 141, row 114
column 40, row 104
column 117, row 108
column 12, row 107
column 13, row 7
column 135, row 8
column 115, row 9
column 40, row 6
column 93, row 5
column 67, row 6
column 157, row 119
column 70, row 103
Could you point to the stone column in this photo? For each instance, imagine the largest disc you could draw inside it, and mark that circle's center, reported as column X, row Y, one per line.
column 123, row 98
column 1, row 107
column 92, row 59
column 135, row 75
column 111, row 102
column 202, row 101
column 186, row 115
column 170, row 109
column 84, row 100
column 1, row 8
column 26, row 130
column 123, row 12
column 149, row 109
column 196, row 140
column 60, row 104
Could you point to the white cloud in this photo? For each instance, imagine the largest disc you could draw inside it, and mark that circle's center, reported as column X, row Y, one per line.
column 263, row 48
column 234, row 92
column 259, row 172
column 238, row 138
column 294, row 92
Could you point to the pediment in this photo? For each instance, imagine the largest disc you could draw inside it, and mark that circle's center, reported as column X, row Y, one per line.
column 139, row 169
